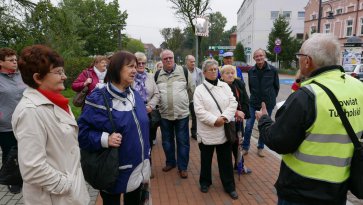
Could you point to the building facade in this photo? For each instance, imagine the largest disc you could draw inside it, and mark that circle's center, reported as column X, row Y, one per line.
column 255, row 20
column 347, row 21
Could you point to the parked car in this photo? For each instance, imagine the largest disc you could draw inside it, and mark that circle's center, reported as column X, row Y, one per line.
column 243, row 66
column 355, row 70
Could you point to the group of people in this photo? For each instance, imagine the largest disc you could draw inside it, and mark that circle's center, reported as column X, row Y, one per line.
column 36, row 118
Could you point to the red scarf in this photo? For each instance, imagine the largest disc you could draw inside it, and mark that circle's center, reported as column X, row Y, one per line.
column 56, row 98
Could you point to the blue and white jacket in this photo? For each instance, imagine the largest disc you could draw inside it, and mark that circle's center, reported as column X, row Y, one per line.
column 131, row 121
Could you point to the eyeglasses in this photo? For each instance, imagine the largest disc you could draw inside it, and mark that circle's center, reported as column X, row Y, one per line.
column 141, row 63
column 12, row 60
column 213, row 70
column 59, row 72
column 298, row 55
column 168, row 58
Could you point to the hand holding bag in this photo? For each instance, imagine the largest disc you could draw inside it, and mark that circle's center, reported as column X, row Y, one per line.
column 10, row 172
column 355, row 181
column 101, row 168
column 80, row 97
column 230, row 127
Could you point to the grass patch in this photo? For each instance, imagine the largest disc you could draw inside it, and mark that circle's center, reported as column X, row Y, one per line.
column 69, row 93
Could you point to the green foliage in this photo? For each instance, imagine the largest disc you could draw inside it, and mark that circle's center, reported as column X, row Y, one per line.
column 135, row 45
column 289, row 45
column 74, row 66
column 69, row 93
column 239, row 53
column 226, row 34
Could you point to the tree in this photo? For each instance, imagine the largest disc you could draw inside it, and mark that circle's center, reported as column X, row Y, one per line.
column 281, row 29
column 188, row 10
column 227, row 34
column 135, row 45
column 173, row 38
column 239, row 53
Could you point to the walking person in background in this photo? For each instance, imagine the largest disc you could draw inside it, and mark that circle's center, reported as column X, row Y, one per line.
column 211, row 134
column 131, row 135
column 176, row 89
column 145, row 84
column 197, row 77
column 239, row 92
column 11, row 91
column 264, row 85
column 46, row 130
column 93, row 76
column 316, row 149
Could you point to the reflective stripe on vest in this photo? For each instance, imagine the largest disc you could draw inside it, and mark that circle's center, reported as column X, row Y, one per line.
column 326, row 152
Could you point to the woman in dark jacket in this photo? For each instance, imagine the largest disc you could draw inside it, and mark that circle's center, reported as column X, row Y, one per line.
column 239, row 91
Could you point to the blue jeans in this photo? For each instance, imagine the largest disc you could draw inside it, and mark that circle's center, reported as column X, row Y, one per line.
column 248, row 130
column 180, row 129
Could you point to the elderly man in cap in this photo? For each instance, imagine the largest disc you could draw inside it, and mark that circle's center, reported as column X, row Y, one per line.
column 228, row 60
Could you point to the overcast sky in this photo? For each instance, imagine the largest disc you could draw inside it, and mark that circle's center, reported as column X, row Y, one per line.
column 147, row 17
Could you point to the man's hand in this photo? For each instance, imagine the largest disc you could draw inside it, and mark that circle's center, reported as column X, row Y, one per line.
column 263, row 111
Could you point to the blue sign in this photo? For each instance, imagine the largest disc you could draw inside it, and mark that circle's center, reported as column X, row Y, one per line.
column 277, row 49
column 221, row 51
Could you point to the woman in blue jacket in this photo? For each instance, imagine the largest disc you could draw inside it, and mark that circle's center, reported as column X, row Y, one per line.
column 131, row 134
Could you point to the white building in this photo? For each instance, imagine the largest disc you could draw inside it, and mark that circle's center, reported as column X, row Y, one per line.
column 255, row 20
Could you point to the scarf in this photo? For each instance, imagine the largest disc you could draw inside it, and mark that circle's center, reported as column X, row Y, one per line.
column 56, row 98
column 213, row 82
column 101, row 75
column 140, row 85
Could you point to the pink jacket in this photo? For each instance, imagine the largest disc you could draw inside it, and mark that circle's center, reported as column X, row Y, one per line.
column 77, row 85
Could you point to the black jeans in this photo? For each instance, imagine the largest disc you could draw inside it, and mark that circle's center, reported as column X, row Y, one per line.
column 225, row 166
column 193, row 129
column 7, row 140
column 130, row 198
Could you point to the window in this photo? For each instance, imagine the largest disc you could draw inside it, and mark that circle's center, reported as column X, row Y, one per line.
column 349, row 28
column 286, row 14
column 327, row 28
column 301, row 14
column 350, row 9
column 361, row 26
column 313, row 16
column 312, row 29
column 274, row 14
column 339, row 11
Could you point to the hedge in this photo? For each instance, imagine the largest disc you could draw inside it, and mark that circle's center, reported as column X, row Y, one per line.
column 74, row 66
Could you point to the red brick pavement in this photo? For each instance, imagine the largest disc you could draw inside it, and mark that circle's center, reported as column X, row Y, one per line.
column 168, row 188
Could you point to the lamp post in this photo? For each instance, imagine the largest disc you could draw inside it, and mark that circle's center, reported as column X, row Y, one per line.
column 330, row 13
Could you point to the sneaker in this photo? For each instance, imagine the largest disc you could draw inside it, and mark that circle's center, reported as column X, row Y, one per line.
column 244, row 152
column 260, row 153
column 14, row 189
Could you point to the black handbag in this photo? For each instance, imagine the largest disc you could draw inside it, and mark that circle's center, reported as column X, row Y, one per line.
column 155, row 118
column 101, row 168
column 230, row 127
column 355, row 181
column 80, row 97
column 10, row 172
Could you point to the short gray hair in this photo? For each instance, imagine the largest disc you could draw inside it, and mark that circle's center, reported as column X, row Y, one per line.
column 140, row 56
column 187, row 58
column 208, row 63
column 164, row 51
column 324, row 49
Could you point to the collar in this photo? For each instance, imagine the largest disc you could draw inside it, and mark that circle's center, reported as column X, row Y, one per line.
column 10, row 74
column 114, row 91
column 265, row 66
column 210, row 86
column 169, row 72
column 325, row 69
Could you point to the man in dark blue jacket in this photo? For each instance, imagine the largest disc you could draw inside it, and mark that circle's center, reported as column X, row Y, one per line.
column 264, row 85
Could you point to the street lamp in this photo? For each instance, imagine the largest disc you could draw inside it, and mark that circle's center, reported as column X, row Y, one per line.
column 330, row 14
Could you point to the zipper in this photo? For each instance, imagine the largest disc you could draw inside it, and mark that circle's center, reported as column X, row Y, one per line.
column 141, row 140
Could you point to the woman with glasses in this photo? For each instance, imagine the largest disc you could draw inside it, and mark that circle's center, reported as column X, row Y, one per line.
column 210, row 127
column 145, row 84
column 93, row 76
column 46, row 131
column 11, row 91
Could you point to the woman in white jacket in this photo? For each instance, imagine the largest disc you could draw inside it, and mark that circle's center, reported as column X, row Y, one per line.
column 210, row 129
column 46, row 131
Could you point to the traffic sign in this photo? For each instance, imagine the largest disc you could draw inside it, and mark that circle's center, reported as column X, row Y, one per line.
column 277, row 42
column 277, row 49
column 221, row 51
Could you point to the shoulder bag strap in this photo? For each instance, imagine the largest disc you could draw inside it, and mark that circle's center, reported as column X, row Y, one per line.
column 342, row 115
column 219, row 108
column 108, row 111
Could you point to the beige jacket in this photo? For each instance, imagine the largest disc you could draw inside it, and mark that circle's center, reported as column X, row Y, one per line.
column 207, row 112
column 49, row 155
column 175, row 93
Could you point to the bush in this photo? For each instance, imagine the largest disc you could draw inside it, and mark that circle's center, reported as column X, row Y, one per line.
column 74, row 66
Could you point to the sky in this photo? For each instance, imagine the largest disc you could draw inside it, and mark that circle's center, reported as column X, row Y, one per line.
column 147, row 17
